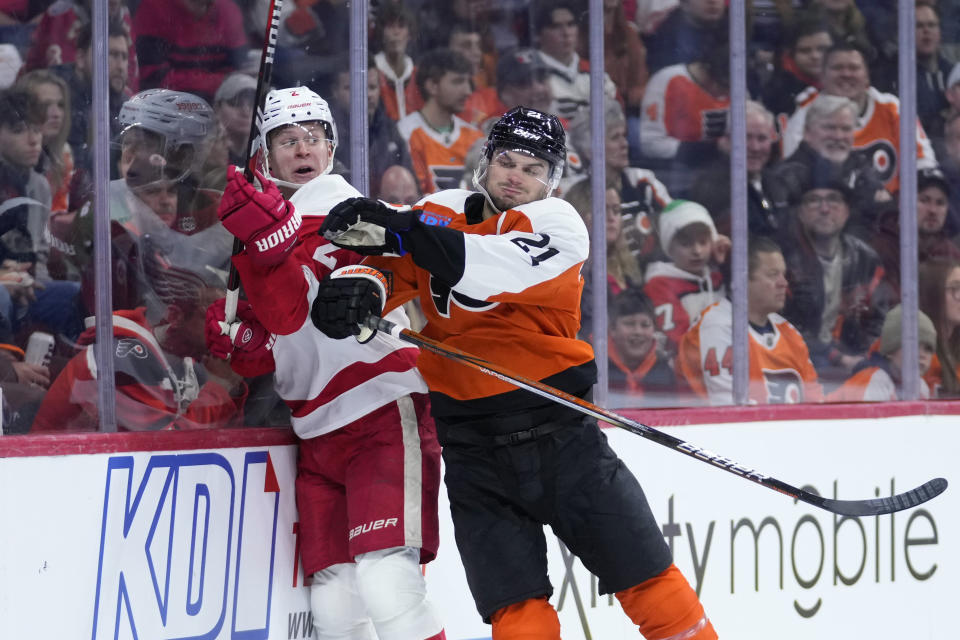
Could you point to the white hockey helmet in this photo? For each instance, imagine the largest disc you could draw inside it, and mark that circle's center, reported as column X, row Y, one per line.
column 173, row 128
column 291, row 106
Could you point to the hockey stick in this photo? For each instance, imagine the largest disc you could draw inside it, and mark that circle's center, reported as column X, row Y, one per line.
column 872, row 507
column 263, row 83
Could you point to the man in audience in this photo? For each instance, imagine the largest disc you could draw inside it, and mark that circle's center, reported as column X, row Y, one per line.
column 780, row 367
column 933, row 69
column 834, row 300
column 557, row 28
column 438, row 140
column 194, row 52
column 685, row 113
column 385, row 146
column 233, row 104
column 691, row 30
column 56, row 40
column 398, row 84
column 79, row 78
column 877, row 134
column 827, row 145
column 951, row 162
column 767, row 213
column 398, row 186
column 801, row 66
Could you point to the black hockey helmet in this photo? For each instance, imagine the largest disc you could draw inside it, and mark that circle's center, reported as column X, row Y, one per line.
column 531, row 131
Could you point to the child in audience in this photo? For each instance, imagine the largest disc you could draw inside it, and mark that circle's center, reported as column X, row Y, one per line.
column 682, row 288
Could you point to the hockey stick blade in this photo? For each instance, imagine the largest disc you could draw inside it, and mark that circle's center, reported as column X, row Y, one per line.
column 855, row 508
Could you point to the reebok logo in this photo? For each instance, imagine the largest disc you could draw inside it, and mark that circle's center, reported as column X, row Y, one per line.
column 383, row 523
column 285, row 232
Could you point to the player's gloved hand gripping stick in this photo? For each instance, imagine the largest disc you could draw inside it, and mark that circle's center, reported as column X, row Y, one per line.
column 871, row 507
column 263, row 83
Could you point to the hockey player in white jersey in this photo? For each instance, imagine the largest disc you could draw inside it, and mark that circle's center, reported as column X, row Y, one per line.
column 369, row 468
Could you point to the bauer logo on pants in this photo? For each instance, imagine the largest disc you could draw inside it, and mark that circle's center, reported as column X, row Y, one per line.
column 383, row 523
column 172, row 559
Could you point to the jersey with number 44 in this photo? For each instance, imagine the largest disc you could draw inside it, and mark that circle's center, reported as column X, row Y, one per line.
column 517, row 303
column 780, row 367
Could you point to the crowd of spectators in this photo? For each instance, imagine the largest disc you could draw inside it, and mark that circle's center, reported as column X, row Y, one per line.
column 823, row 150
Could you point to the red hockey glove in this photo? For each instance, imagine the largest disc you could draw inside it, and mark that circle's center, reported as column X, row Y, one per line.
column 346, row 298
column 245, row 341
column 367, row 226
column 265, row 222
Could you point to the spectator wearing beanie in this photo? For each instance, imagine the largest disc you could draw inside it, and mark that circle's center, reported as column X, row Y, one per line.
column 690, row 282
column 879, row 377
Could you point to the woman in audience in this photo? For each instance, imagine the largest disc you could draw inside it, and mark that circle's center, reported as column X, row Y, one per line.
column 50, row 95
column 623, row 269
column 939, row 293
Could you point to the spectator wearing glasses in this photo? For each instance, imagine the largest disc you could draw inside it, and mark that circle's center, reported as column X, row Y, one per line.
column 834, row 276
column 827, row 145
column 933, row 69
column 940, row 299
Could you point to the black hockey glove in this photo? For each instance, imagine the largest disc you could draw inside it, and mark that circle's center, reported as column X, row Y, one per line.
column 367, row 226
column 346, row 298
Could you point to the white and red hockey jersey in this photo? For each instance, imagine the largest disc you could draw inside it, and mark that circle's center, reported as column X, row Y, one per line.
column 438, row 158
column 326, row 383
column 679, row 297
column 877, row 134
column 780, row 368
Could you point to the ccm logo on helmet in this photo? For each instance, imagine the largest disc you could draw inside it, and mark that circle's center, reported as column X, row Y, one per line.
column 370, row 526
column 283, row 233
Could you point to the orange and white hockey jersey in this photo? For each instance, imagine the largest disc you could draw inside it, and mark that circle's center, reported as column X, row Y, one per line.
column 516, row 304
column 877, row 134
column 780, row 368
column 872, row 384
column 438, row 158
column 676, row 109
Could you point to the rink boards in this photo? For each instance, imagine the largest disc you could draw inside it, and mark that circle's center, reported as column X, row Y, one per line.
column 194, row 535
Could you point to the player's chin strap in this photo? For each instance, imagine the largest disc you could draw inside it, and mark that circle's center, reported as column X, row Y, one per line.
column 870, row 507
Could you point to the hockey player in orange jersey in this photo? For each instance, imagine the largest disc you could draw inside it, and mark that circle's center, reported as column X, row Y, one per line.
column 498, row 274
column 780, row 367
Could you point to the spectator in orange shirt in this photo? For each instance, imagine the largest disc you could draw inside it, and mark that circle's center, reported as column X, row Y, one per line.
column 439, row 140
column 637, row 367
column 879, row 378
